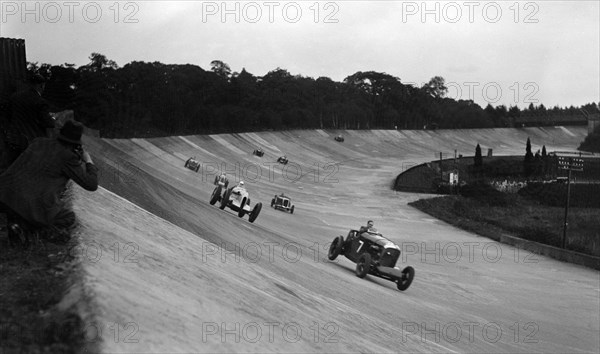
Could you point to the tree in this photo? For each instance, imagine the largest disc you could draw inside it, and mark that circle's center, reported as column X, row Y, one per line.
column 34, row 68
column 220, row 68
column 529, row 160
column 592, row 141
column 546, row 163
column 384, row 91
column 99, row 62
column 528, row 153
column 436, row 87
column 478, row 161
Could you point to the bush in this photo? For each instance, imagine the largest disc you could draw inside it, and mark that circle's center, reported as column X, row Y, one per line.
column 445, row 188
column 484, row 192
column 503, row 168
column 555, row 194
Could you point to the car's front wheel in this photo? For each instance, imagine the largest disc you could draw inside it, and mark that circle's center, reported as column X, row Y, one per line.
column 255, row 212
column 292, row 210
column 363, row 265
column 408, row 275
column 336, row 248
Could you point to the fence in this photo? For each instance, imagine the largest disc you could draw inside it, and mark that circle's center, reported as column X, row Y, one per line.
column 13, row 67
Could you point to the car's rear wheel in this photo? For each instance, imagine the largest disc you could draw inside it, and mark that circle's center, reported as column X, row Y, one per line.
column 408, row 275
column 363, row 265
column 336, row 248
column 215, row 195
column 241, row 212
column 197, row 168
column 225, row 199
column 255, row 212
column 187, row 163
column 292, row 210
column 272, row 202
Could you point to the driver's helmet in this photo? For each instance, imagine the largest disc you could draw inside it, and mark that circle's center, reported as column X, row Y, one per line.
column 241, row 184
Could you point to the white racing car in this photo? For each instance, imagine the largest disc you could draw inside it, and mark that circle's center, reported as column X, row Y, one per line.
column 237, row 199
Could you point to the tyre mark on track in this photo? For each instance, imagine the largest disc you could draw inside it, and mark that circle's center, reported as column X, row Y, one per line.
column 226, row 144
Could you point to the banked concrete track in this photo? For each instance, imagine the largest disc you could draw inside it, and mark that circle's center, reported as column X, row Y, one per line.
column 167, row 272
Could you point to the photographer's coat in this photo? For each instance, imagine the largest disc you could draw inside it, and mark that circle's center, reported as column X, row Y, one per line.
column 33, row 185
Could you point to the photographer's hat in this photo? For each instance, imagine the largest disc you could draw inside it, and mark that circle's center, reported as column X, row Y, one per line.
column 71, row 132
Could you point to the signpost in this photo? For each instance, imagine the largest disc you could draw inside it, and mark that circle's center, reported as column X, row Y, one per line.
column 570, row 164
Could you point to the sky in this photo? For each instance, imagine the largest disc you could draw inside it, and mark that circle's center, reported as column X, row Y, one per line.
column 496, row 52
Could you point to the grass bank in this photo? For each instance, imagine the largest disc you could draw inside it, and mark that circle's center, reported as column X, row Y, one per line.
column 520, row 217
column 34, row 282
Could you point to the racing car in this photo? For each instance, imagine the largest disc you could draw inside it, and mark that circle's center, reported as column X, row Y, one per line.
column 237, row 199
column 282, row 202
column 339, row 138
column 192, row 164
column 259, row 152
column 222, row 181
column 373, row 254
column 282, row 159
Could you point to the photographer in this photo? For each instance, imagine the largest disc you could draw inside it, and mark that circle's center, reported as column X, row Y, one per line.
column 32, row 188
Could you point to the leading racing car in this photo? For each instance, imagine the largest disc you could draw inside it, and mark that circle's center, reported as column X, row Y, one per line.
column 237, row 199
column 373, row 254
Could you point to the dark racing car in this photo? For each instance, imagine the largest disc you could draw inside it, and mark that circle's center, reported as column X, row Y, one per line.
column 259, row 152
column 373, row 254
column 192, row 164
column 282, row 159
column 282, row 202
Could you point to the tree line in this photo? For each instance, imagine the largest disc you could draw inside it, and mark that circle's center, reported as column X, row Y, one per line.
column 144, row 99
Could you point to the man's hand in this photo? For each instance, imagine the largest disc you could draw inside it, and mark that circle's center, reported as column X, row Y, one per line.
column 86, row 157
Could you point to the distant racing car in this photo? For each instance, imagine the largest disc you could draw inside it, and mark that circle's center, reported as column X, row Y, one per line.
column 259, row 152
column 222, row 181
column 237, row 199
column 373, row 254
column 282, row 202
column 282, row 159
column 339, row 138
column 192, row 164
